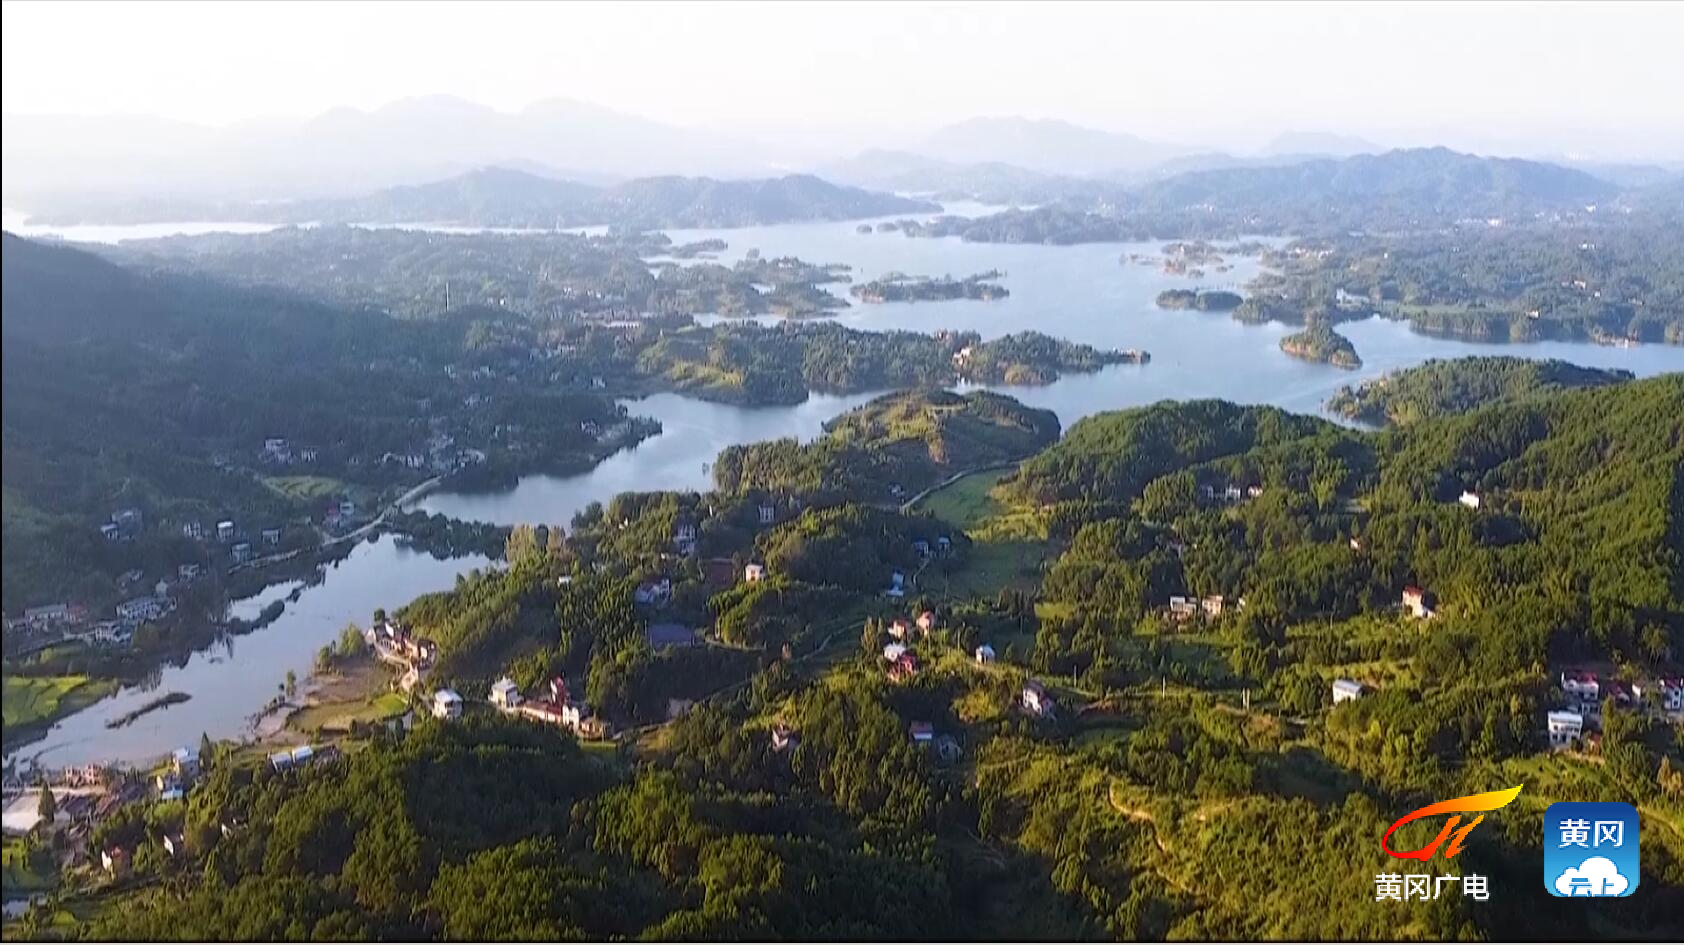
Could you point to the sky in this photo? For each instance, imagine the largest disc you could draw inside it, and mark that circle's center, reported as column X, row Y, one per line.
column 1597, row 79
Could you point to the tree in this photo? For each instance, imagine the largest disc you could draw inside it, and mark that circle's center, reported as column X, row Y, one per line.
column 48, row 808
column 207, row 748
column 291, row 685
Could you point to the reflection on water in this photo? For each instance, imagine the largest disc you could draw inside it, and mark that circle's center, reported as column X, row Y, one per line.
column 233, row 679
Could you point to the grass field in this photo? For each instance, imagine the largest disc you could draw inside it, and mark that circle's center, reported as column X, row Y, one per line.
column 966, row 503
column 27, row 700
column 306, row 488
column 339, row 716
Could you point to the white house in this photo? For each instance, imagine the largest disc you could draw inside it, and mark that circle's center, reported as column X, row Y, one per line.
column 927, row 621
column 894, row 651
column 1584, row 687
column 1415, row 601
column 1469, row 499
column 505, row 694
column 985, row 654
column 1564, row 728
column 899, row 628
column 225, row 531
column 1036, row 701
column 768, row 513
column 1345, row 690
column 447, row 704
column 754, row 573
column 1672, row 693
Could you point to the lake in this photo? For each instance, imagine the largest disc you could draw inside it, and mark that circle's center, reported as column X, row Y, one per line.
column 234, row 678
column 1084, row 293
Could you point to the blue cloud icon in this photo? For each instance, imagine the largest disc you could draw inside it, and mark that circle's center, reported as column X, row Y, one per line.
column 1596, row 876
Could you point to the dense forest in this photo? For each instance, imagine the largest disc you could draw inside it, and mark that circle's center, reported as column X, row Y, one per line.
column 1439, row 388
column 1194, row 781
column 1611, row 277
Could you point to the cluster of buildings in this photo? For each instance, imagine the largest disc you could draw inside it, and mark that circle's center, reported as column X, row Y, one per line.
column 1583, row 693
column 1418, row 603
column 394, row 643
column 124, row 525
column 278, row 452
column 556, row 706
column 300, row 757
column 1230, row 492
column 1184, row 609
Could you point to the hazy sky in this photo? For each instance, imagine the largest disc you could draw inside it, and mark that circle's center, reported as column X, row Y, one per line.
column 1595, row 78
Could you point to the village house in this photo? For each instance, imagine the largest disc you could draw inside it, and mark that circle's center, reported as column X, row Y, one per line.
column 138, row 609
column 927, row 621
column 193, row 530
column 271, row 536
column 1581, row 686
column 653, row 593
column 116, row 860
column 225, row 531
column 187, row 572
column 1346, row 690
column 921, row 548
column 783, row 737
column 684, row 538
column 241, row 552
column 542, row 710
column 897, row 584
column 447, row 704
column 754, row 573
column 893, row 651
column 944, row 545
column 768, row 513
column 899, row 628
column 1182, row 609
column 678, row 707
column 1416, row 602
column 110, row 532
column 1036, row 700
column 1672, row 693
column 184, row 761
column 903, row 667
column 984, row 654
column 175, row 844
column 1564, row 728
column 1469, row 499
column 296, row 757
column 923, row 733
column 505, row 695
column 1212, row 605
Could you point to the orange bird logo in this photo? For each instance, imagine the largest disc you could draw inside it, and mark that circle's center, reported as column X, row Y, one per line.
column 1490, row 800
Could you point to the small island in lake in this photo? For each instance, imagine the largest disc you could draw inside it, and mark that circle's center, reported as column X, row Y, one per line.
column 1321, row 343
column 899, row 287
column 1203, row 301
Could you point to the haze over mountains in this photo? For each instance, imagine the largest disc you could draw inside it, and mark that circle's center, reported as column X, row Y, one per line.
column 346, row 164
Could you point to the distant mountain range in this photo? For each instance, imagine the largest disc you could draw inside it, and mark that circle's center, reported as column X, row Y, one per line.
column 423, row 157
column 496, row 196
column 1432, row 179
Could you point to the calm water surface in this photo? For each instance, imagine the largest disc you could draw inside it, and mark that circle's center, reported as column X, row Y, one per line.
column 235, row 678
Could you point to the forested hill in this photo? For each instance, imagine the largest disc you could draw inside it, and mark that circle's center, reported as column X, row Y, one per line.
column 891, row 447
column 1194, row 782
column 1441, row 387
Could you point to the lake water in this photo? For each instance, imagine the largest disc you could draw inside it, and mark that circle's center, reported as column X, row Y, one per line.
column 1084, row 293
column 236, row 677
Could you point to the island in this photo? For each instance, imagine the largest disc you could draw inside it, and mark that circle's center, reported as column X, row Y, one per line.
column 899, row 287
column 1321, row 343
column 1205, row 300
